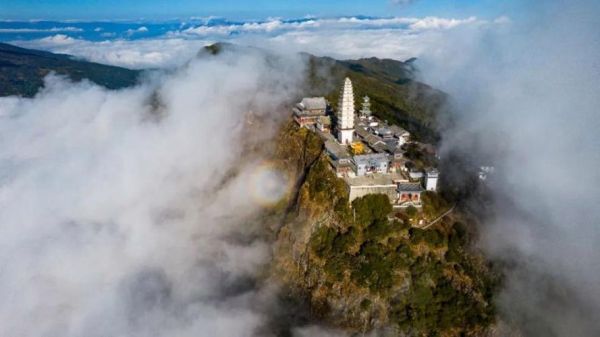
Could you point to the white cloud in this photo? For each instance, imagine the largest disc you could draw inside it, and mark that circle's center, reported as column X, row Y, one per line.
column 57, row 40
column 270, row 26
column 39, row 30
column 346, row 37
column 126, row 53
column 529, row 108
column 142, row 29
column 319, row 25
column 354, row 44
column 441, row 23
column 119, row 214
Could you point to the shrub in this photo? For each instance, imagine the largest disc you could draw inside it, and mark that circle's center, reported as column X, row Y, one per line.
column 322, row 241
column 411, row 211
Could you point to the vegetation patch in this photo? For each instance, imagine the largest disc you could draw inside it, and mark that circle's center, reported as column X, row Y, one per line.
column 431, row 283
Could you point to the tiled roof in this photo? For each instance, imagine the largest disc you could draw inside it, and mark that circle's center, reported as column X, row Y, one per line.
column 410, row 187
column 336, row 150
column 314, row 103
column 367, row 158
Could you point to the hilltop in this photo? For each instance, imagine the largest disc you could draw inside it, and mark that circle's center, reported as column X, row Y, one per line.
column 393, row 86
column 360, row 270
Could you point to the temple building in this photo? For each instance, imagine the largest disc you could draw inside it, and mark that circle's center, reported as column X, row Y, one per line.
column 409, row 194
column 372, row 184
column 345, row 123
column 371, row 163
column 402, row 135
column 431, row 180
column 339, row 158
column 309, row 110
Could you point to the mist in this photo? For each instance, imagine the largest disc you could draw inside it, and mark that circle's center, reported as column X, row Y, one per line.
column 526, row 101
column 119, row 210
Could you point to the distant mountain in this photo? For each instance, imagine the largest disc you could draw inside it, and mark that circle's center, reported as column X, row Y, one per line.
column 22, row 71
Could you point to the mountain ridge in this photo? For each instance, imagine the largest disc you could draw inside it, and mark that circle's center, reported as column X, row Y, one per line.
column 22, row 71
column 396, row 94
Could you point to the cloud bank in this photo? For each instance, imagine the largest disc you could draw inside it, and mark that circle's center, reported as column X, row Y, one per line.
column 170, row 45
column 526, row 101
column 121, row 212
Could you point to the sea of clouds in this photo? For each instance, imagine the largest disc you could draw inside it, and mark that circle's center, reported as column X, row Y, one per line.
column 129, row 213
column 147, row 45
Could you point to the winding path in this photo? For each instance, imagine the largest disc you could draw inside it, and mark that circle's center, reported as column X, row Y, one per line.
column 439, row 217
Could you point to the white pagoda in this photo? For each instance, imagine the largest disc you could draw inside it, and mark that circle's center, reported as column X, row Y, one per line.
column 345, row 123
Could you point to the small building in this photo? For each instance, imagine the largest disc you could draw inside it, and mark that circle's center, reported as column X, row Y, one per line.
column 374, row 184
column 339, row 158
column 361, row 130
column 415, row 174
column 371, row 163
column 375, row 143
column 398, row 161
column 384, row 132
column 324, row 124
column 308, row 111
column 431, row 180
column 402, row 135
column 391, row 145
column 409, row 194
column 343, row 168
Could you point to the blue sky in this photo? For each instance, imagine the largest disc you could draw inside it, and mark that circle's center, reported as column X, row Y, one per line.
column 238, row 9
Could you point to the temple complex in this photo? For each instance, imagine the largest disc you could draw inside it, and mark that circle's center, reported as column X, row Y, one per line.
column 366, row 152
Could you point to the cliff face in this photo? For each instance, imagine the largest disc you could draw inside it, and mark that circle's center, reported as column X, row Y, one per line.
column 360, row 271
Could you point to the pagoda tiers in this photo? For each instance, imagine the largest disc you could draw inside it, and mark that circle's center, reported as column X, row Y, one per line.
column 366, row 107
column 345, row 124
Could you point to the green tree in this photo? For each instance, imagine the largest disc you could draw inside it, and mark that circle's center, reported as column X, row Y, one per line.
column 370, row 208
column 411, row 211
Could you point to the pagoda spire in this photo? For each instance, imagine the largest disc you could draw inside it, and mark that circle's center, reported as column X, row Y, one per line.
column 366, row 107
column 345, row 124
